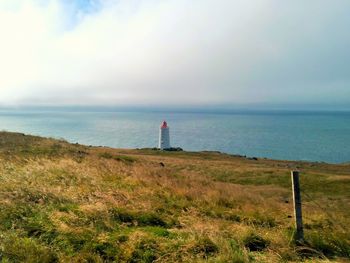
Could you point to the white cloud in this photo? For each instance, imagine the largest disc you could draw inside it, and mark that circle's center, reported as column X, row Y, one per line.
column 176, row 51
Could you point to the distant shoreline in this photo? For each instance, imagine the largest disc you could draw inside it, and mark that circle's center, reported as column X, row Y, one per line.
column 317, row 137
column 175, row 150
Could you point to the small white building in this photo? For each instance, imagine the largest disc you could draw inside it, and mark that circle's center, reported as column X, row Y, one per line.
column 164, row 137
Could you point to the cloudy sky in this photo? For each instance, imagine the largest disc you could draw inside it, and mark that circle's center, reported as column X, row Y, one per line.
column 174, row 52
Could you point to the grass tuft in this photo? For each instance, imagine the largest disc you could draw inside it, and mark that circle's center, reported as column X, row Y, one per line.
column 204, row 246
column 121, row 158
column 254, row 242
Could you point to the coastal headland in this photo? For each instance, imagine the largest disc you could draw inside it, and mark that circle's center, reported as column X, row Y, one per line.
column 64, row 202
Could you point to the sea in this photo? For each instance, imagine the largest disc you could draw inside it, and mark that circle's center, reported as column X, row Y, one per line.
column 285, row 135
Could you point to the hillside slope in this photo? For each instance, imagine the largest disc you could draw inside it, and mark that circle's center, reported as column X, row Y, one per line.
column 72, row 203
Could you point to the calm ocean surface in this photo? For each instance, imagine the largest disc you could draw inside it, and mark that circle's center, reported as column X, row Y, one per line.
column 278, row 135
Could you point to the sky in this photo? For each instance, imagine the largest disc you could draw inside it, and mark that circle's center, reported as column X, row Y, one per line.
column 175, row 52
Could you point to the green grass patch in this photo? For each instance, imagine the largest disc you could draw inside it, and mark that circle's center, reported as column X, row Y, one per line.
column 23, row 249
column 204, row 247
column 138, row 218
column 122, row 158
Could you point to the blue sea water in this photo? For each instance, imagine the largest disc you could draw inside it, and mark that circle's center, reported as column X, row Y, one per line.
column 311, row 136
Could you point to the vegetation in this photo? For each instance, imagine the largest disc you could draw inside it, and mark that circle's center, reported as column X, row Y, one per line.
column 64, row 202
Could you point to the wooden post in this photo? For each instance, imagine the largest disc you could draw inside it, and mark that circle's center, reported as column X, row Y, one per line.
column 297, row 207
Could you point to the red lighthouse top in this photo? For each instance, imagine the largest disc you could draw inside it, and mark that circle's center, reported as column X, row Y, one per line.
column 164, row 125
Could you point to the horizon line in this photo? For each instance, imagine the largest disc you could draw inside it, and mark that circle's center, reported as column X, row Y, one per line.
column 186, row 108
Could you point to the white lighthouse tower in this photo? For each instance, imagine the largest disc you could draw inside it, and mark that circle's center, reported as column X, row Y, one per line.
column 164, row 137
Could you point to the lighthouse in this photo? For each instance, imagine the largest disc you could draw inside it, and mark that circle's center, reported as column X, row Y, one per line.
column 164, row 137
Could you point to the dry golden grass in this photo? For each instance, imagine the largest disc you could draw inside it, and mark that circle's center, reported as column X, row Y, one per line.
column 72, row 203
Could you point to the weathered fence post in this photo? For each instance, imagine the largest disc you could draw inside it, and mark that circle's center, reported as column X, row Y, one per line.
column 297, row 207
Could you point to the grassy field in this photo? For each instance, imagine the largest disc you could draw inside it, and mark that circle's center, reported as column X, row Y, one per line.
column 62, row 202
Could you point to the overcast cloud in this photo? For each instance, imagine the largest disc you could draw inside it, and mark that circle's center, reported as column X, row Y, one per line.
column 176, row 52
